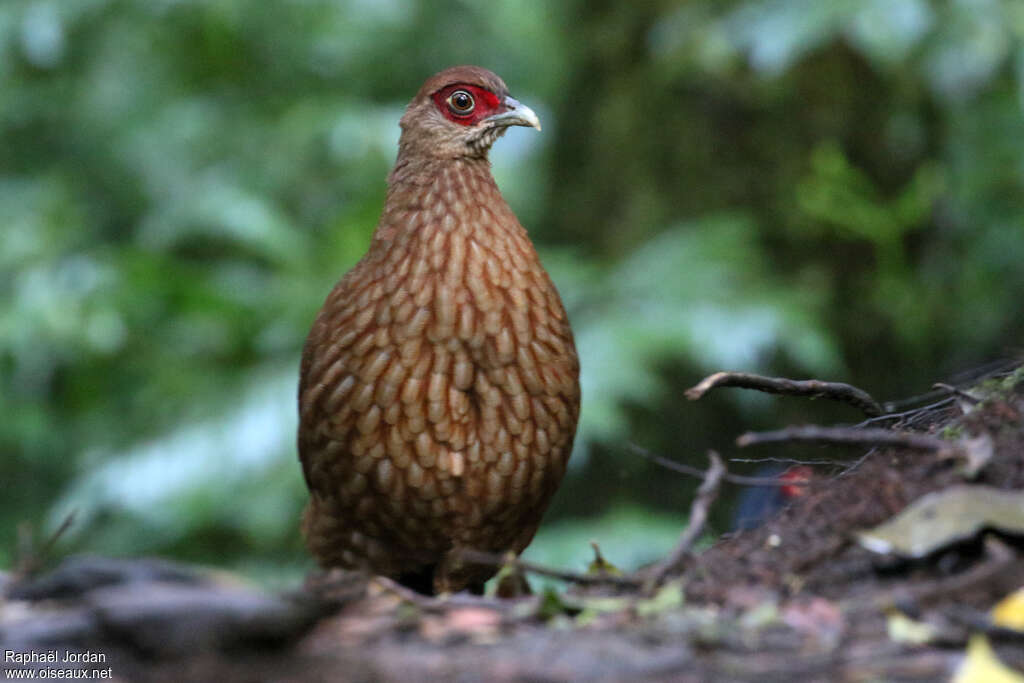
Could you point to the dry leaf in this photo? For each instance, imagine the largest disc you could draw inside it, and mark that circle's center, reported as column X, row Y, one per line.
column 977, row 452
column 942, row 518
column 981, row 665
column 903, row 629
column 1009, row 613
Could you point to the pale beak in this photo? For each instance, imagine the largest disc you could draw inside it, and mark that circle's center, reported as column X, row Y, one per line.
column 518, row 114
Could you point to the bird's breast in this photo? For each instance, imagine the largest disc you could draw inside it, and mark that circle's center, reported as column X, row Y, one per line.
column 442, row 385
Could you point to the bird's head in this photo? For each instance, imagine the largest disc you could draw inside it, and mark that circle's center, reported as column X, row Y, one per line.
column 459, row 113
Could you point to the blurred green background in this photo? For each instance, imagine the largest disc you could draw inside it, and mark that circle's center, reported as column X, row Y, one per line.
column 830, row 189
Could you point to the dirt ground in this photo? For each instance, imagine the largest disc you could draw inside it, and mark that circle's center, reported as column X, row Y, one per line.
column 797, row 598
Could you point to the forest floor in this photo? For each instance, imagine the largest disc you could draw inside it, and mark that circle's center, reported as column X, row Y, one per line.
column 884, row 568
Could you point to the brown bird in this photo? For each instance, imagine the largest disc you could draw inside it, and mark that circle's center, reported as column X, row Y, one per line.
column 439, row 388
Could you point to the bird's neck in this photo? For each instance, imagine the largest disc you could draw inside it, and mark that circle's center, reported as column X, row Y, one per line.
column 413, row 178
column 428, row 195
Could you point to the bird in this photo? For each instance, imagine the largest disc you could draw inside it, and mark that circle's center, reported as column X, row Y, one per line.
column 758, row 503
column 439, row 385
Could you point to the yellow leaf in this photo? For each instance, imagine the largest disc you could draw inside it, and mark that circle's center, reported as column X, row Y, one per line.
column 1009, row 613
column 601, row 565
column 670, row 596
column 903, row 629
column 981, row 665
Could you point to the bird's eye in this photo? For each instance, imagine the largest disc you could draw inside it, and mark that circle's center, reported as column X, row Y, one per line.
column 461, row 103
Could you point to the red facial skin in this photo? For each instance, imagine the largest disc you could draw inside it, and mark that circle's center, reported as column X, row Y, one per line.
column 487, row 104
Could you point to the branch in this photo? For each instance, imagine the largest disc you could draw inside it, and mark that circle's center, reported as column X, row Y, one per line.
column 913, row 411
column 958, row 393
column 815, row 388
column 999, row 368
column 499, row 560
column 849, row 436
column 32, row 558
column 728, row 476
column 706, row 495
column 786, row 461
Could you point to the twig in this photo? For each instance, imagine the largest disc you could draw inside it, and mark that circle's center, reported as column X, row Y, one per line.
column 913, row 411
column 852, row 467
column 904, row 404
column 32, row 558
column 728, row 476
column 836, row 391
column 848, row 436
column 706, row 495
column 498, row 560
column 957, row 392
column 999, row 368
column 787, row 461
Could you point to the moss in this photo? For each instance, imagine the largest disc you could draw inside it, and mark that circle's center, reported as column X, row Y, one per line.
column 952, row 432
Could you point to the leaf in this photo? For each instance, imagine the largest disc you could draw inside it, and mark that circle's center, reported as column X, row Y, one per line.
column 668, row 597
column 599, row 565
column 1009, row 612
column 761, row 615
column 903, row 629
column 509, row 581
column 480, row 624
column 978, row 451
column 701, row 290
column 595, row 607
column 937, row 520
column 981, row 665
column 552, row 605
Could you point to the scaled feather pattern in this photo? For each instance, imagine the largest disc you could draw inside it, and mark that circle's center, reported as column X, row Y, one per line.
column 439, row 390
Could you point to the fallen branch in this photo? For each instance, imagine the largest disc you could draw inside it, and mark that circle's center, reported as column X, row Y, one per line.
column 728, row 476
column 499, row 560
column 706, row 495
column 849, row 436
column 836, row 391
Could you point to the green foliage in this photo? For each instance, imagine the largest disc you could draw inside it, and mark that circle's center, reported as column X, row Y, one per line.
column 829, row 189
column 630, row 537
column 703, row 290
